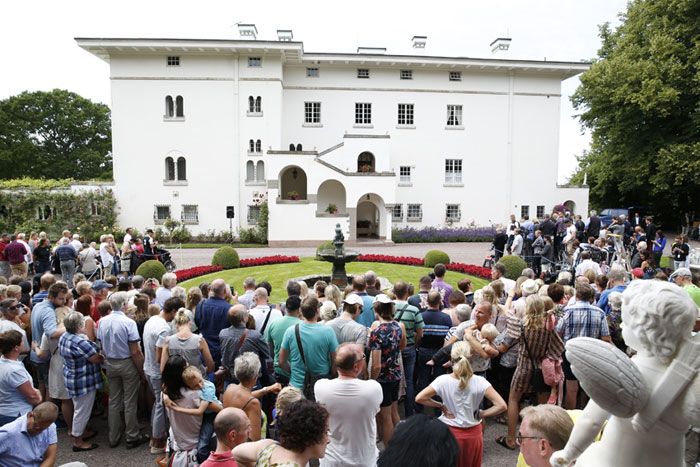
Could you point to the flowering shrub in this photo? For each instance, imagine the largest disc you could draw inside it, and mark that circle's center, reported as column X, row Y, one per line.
column 186, row 274
column 442, row 234
column 407, row 260
column 470, row 269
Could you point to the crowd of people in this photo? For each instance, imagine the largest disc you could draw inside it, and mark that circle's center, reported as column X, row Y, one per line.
column 358, row 376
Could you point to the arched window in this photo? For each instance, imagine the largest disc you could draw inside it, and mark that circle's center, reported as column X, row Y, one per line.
column 365, row 162
column 258, row 146
column 299, row 147
column 251, row 146
column 258, row 104
column 179, row 107
column 291, row 147
column 249, row 171
column 169, row 107
column 251, row 104
column 169, row 168
column 260, row 171
column 181, row 168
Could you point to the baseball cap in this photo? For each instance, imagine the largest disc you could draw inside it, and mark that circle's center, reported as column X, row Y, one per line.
column 100, row 284
column 638, row 273
column 383, row 298
column 681, row 272
column 353, row 299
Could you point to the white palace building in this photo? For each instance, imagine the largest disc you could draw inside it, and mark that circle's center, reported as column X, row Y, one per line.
column 368, row 139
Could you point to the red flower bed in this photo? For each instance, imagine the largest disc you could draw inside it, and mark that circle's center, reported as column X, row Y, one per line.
column 470, row 269
column 185, row 274
column 408, row 260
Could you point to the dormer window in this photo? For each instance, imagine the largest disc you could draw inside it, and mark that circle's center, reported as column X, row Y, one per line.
column 173, row 60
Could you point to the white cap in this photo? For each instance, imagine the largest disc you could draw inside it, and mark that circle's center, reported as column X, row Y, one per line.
column 353, row 299
column 529, row 287
column 383, row 298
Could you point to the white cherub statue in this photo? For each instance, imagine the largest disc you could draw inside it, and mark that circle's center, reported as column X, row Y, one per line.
column 650, row 400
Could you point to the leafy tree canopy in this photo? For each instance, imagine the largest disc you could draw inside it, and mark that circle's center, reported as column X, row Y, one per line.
column 56, row 134
column 640, row 100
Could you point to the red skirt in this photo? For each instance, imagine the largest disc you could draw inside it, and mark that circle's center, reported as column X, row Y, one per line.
column 471, row 445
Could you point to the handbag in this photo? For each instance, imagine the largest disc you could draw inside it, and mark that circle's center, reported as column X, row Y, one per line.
column 309, row 377
column 536, row 377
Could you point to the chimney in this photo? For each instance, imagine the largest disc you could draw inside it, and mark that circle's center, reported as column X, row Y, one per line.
column 247, row 31
column 285, row 35
column 501, row 44
column 371, row 50
column 419, row 42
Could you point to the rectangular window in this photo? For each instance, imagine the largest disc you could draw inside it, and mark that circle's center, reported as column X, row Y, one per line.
column 312, row 112
column 363, row 113
column 173, row 60
column 405, row 114
column 162, row 213
column 454, row 115
column 540, row 212
column 397, row 213
column 254, row 62
column 405, row 174
column 253, row 214
column 524, row 211
column 363, row 73
column 455, row 76
column 414, row 212
column 453, row 170
column 312, row 72
column 189, row 214
column 406, row 74
column 453, row 213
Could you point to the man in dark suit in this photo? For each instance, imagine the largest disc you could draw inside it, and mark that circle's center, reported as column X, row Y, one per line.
column 499, row 243
column 638, row 220
column 593, row 229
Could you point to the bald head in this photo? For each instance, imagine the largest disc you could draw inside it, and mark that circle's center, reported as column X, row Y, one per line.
column 219, row 287
column 237, row 315
column 231, row 426
column 347, row 356
column 260, row 295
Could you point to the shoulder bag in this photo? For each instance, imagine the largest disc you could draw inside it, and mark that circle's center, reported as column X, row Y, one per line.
column 309, row 377
column 536, row 376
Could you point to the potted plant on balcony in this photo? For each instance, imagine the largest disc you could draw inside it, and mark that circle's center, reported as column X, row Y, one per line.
column 332, row 209
column 293, row 195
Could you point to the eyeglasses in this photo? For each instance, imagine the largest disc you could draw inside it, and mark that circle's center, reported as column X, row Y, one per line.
column 519, row 438
column 362, row 357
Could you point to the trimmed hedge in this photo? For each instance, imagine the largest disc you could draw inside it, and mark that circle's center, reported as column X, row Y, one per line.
column 327, row 245
column 434, row 257
column 226, row 257
column 151, row 269
column 514, row 266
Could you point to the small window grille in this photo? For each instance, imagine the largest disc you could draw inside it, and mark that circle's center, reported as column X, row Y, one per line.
column 173, row 60
column 363, row 73
column 406, row 74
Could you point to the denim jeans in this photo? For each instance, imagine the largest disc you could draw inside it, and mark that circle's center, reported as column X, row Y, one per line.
column 67, row 271
column 205, row 444
column 159, row 421
column 409, row 365
column 425, row 374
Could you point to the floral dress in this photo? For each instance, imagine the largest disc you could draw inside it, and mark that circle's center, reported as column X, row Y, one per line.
column 266, row 454
column 387, row 338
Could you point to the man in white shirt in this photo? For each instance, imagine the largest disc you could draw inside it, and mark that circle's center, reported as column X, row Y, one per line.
column 262, row 312
column 246, row 299
column 586, row 264
column 76, row 243
column 353, row 405
column 517, row 246
column 29, row 258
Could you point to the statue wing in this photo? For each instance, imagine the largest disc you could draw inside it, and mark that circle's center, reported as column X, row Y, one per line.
column 608, row 376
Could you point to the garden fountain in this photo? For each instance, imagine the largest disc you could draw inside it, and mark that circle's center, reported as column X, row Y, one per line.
column 338, row 256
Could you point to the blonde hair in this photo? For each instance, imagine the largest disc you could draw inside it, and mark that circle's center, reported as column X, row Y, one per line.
column 181, row 317
column 461, row 367
column 489, row 332
column 551, row 422
column 303, row 289
column 498, row 288
column 153, row 309
column 333, row 294
column 548, row 303
column 285, row 397
column 488, row 293
column 194, row 296
column 190, row 372
column 535, row 315
column 14, row 291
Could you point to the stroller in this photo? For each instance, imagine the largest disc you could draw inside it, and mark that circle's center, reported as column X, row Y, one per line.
column 159, row 254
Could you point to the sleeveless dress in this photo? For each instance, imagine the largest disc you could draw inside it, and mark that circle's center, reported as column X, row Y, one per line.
column 187, row 349
column 266, row 454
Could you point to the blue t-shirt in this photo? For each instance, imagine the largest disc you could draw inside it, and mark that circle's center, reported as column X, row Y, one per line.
column 211, row 316
column 366, row 318
column 12, row 375
column 603, row 301
column 436, row 326
column 43, row 322
column 318, row 341
column 20, row 449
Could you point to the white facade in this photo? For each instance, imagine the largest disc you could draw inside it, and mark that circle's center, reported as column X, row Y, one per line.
column 199, row 125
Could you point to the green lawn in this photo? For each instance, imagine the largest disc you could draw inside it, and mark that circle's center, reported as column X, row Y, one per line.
column 278, row 274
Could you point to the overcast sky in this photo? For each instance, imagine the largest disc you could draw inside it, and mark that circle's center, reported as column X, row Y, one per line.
column 39, row 53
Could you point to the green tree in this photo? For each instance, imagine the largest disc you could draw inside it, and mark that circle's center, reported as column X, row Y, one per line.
column 56, row 134
column 640, row 101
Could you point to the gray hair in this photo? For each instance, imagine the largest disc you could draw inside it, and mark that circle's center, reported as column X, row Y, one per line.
column 65, row 241
column 617, row 275
column 328, row 310
column 642, row 245
column 249, row 282
column 168, row 280
column 73, row 322
column 463, row 312
column 615, row 300
column 118, row 300
column 246, row 367
column 528, row 272
column 179, row 292
column 260, row 292
column 593, row 212
column 564, row 276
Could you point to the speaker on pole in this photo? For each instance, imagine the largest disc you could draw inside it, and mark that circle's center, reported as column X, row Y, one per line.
column 229, row 212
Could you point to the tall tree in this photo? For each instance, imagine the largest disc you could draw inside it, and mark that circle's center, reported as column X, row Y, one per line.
column 640, row 98
column 56, row 134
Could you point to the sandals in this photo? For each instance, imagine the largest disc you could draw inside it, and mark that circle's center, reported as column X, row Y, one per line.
column 502, row 441
column 89, row 437
column 90, row 448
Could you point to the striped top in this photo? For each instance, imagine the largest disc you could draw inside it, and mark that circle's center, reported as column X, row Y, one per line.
column 437, row 324
column 411, row 318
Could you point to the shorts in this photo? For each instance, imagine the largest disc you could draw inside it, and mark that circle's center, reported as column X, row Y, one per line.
column 390, row 392
column 566, row 366
column 42, row 373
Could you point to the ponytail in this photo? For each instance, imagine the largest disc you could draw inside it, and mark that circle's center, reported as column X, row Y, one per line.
column 461, row 367
column 181, row 317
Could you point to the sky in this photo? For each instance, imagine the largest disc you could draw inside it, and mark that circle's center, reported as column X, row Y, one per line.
column 38, row 49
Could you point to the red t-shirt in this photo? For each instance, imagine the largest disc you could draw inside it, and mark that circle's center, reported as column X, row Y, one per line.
column 2, row 251
column 223, row 459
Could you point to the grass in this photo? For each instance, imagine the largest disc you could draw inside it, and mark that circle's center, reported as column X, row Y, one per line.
column 213, row 245
column 278, row 274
